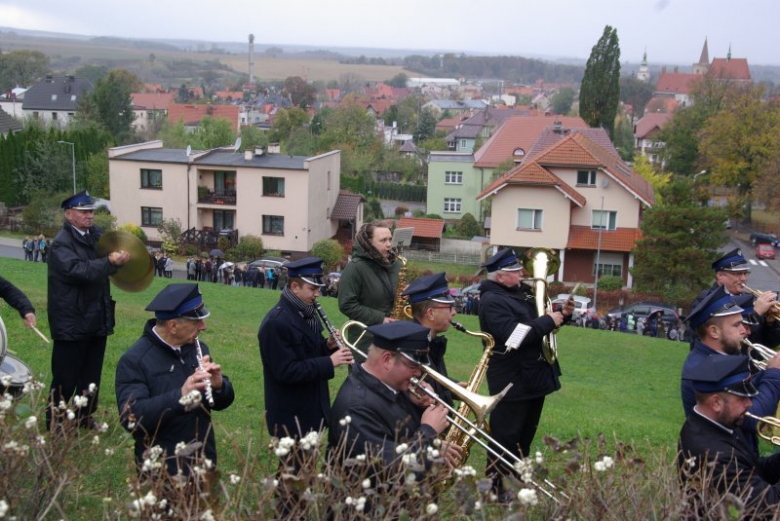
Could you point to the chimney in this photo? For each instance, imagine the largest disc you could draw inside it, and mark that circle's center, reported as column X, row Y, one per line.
column 274, row 148
column 251, row 58
column 558, row 127
column 259, row 151
column 248, row 155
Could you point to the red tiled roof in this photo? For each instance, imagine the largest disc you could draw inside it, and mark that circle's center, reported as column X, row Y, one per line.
column 517, row 132
column 448, row 124
column 379, row 106
column 551, row 135
column 192, row 114
column 152, row 100
column 676, row 82
column 533, row 174
column 586, row 238
column 346, row 205
column 333, row 94
column 661, row 104
column 426, row 228
column 650, row 122
column 729, row 69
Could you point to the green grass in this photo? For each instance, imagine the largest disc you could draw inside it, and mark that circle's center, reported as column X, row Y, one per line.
column 620, row 385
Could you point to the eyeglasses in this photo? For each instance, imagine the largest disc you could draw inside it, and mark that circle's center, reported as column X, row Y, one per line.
column 413, row 366
column 448, row 306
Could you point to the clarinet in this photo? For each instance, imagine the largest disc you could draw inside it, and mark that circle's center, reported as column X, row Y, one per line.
column 331, row 329
column 208, row 392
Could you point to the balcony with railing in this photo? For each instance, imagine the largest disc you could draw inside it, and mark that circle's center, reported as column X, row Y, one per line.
column 208, row 196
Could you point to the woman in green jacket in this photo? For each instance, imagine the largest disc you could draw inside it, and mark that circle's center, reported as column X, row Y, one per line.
column 368, row 284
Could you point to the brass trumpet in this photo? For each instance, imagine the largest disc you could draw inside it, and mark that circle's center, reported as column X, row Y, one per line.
column 764, row 352
column 769, row 422
column 774, row 310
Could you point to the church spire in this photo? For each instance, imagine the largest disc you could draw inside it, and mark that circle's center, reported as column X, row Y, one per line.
column 728, row 56
column 705, row 55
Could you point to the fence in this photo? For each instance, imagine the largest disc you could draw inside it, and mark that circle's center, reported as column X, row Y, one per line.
column 467, row 259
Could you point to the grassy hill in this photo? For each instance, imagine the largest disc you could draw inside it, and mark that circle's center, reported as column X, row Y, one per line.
column 614, row 384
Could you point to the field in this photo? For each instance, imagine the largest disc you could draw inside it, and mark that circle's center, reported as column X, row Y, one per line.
column 68, row 55
column 614, row 384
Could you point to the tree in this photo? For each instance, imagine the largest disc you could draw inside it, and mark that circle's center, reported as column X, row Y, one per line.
column 373, row 210
column 562, row 100
column 399, row 80
column 169, row 231
column 330, row 251
column 740, row 141
column 93, row 73
column 301, row 94
column 600, row 89
column 22, row 68
column 636, row 93
column 214, row 133
column 623, row 137
column 175, row 135
column 249, row 247
column 135, row 230
column 111, row 105
column 44, row 167
column 678, row 244
column 426, row 125
column 252, row 137
column 658, row 180
column 468, row 226
column 43, row 214
column 96, row 175
column 286, row 121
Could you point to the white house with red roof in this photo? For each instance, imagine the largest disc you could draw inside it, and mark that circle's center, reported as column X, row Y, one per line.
column 646, row 132
column 576, row 197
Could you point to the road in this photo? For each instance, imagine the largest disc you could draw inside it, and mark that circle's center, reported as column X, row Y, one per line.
column 764, row 274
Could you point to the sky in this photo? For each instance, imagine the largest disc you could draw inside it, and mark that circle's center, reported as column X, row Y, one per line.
column 672, row 31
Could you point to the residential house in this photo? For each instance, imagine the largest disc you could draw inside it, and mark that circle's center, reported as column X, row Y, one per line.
column 54, row 99
column 427, row 232
column 480, row 125
column 577, row 198
column 290, row 201
column 646, row 132
column 150, row 108
column 192, row 115
column 11, row 102
column 8, row 125
column 676, row 85
column 229, row 95
column 454, row 177
column 438, row 106
column 348, row 212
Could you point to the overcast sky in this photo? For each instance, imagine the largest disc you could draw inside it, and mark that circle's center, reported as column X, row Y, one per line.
column 673, row 31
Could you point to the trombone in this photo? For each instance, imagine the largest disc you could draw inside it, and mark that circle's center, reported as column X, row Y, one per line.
column 480, row 405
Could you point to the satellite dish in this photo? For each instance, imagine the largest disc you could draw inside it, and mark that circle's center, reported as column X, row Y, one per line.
column 604, row 182
column 237, row 144
column 189, row 150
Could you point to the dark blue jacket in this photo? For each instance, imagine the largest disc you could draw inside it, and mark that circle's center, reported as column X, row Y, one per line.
column 296, row 369
column 149, row 378
column 500, row 310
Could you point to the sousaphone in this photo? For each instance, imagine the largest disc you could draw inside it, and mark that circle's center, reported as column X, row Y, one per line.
column 138, row 272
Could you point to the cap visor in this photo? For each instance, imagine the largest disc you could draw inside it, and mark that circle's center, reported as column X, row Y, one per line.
column 314, row 280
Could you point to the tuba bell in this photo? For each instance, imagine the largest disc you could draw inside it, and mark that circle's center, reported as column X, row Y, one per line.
column 541, row 263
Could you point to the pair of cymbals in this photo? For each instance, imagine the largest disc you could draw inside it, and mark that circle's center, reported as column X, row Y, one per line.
column 135, row 275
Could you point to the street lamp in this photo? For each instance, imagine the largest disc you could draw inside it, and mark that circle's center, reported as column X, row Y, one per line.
column 72, row 160
column 693, row 183
column 598, row 257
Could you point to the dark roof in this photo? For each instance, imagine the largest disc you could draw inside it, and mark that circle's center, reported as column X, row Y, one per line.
column 346, row 206
column 8, row 124
column 464, row 131
column 56, row 93
column 408, row 147
column 216, row 158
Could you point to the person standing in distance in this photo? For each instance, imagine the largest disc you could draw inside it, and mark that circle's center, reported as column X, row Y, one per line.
column 81, row 311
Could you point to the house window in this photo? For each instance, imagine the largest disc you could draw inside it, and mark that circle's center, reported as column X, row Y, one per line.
column 451, row 205
column 453, row 178
column 529, row 219
column 151, row 179
column 608, row 270
column 151, row 216
column 604, row 220
column 273, row 186
column 586, row 177
column 54, row 116
column 224, row 219
column 519, row 152
column 462, row 143
column 273, row 225
column 35, row 114
column 225, row 182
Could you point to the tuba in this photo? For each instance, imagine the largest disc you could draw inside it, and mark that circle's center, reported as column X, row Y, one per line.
column 541, row 263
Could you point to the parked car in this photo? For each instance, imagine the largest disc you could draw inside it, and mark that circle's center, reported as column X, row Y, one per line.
column 765, row 251
column 643, row 309
column 763, row 238
column 268, row 262
column 581, row 304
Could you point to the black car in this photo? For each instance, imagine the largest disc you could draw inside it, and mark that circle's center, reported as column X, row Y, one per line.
column 643, row 310
column 763, row 238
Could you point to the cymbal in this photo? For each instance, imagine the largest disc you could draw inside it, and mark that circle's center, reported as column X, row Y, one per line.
column 138, row 272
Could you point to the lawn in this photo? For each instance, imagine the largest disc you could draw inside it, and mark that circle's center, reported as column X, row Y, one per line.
column 615, row 384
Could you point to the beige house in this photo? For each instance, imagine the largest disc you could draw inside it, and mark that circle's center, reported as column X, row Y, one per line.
column 576, row 197
column 289, row 201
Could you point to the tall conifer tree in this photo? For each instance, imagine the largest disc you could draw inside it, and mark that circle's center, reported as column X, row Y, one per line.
column 600, row 90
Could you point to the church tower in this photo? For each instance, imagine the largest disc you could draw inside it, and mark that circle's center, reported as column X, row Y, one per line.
column 644, row 71
column 704, row 61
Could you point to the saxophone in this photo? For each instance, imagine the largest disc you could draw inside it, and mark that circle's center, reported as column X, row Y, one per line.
column 399, row 301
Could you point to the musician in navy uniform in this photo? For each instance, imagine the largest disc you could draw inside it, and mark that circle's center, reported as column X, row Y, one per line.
column 731, row 273
column 505, row 303
column 297, row 360
column 159, row 381
column 712, row 445
column 433, row 307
